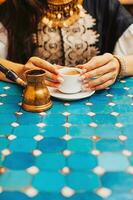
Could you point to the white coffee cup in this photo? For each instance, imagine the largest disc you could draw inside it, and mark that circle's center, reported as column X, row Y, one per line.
column 72, row 82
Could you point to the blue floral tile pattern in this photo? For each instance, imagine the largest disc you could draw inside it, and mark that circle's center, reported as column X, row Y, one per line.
column 79, row 150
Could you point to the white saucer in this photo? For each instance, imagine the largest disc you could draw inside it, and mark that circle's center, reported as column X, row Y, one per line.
column 69, row 97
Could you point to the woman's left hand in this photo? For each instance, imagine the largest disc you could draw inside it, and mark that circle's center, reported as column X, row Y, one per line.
column 104, row 69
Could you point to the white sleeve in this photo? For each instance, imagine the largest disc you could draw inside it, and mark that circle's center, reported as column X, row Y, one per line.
column 3, row 42
column 124, row 45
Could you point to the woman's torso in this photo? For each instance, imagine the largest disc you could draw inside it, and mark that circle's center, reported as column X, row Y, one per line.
column 97, row 32
column 69, row 46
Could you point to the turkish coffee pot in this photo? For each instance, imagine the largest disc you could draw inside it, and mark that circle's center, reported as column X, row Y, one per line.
column 36, row 97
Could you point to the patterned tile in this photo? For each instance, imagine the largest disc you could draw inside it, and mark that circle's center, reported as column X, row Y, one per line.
column 23, row 145
column 3, row 143
column 87, row 161
column 14, row 182
column 19, row 161
column 52, row 145
column 81, row 131
column 120, row 181
column 80, row 150
column 52, row 161
column 42, row 181
column 109, row 145
column 113, row 162
column 80, row 145
column 81, row 181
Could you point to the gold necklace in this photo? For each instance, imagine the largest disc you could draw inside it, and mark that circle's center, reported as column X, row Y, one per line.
column 62, row 13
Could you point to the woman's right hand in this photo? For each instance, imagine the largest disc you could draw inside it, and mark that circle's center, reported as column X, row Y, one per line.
column 53, row 79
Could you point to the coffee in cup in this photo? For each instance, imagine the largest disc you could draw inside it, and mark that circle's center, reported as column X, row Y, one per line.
column 71, row 83
column 72, row 72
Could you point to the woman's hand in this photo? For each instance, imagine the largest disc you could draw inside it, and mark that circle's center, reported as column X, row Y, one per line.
column 100, row 72
column 52, row 76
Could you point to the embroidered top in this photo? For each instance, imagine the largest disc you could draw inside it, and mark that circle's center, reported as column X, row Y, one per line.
column 71, row 45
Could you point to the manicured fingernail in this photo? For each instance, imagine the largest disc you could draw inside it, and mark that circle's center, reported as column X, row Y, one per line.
column 82, row 78
column 85, row 85
column 85, row 81
column 57, row 71
column 60, row 79
column 93, row 89
column 84, row 70
column 89, row 90
column 84, row 89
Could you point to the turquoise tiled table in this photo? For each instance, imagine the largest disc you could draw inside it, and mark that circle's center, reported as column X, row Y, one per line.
column 80, row 150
